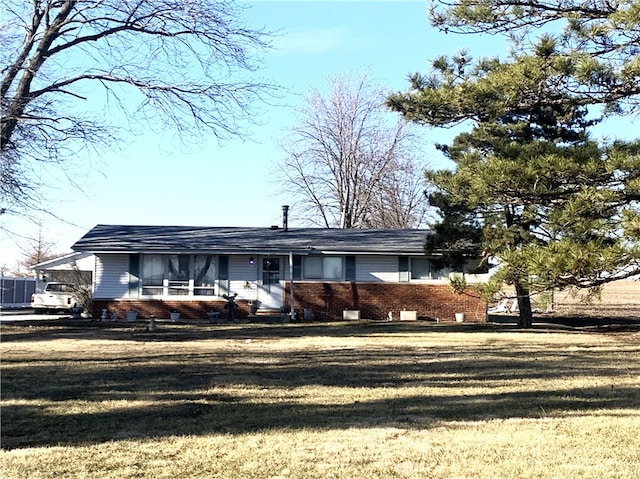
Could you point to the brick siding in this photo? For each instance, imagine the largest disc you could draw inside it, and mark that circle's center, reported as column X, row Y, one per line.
column 160, row 309
column 327, row 301
column 375, row 300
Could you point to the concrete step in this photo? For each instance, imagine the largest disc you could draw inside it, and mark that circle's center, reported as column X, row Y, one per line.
column 269, row 316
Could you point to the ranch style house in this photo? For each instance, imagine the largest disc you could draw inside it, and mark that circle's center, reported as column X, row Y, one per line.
column 331, row 274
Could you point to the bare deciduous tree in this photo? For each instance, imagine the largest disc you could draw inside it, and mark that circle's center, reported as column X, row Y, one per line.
column 73, row 69
column 349, row 166
column 33, row 249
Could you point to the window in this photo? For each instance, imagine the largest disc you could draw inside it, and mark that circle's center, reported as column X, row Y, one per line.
column 204, row 275
column 178, row 275
column 323, row 267
column 440, row 273
column 332, row 268
column 153, row 268
column 422, row 269
column 58, row 288
column 313, row 267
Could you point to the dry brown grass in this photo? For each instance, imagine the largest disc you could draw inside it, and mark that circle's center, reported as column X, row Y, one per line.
column 345, row 400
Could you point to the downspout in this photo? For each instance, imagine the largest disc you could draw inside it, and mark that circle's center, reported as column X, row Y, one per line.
column 292, row 316
column 285, row 227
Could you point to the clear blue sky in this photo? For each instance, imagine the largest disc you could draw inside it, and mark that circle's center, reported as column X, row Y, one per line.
column 154, row 181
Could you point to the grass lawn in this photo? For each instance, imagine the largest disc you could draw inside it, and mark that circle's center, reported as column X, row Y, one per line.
column 345, row 400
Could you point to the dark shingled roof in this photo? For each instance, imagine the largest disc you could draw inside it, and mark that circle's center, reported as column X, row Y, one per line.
column 224, row 240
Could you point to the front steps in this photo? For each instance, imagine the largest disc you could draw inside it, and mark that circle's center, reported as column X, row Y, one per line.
column 269, row 316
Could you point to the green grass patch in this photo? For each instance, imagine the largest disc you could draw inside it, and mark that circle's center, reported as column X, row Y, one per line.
column 344, row 400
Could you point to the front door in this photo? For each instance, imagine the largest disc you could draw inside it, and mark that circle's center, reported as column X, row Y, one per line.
column 271, row 293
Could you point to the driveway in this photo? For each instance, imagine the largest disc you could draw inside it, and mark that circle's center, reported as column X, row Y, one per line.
column 13, row 315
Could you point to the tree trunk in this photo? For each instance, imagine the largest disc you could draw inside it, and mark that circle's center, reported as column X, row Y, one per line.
column 524, row 306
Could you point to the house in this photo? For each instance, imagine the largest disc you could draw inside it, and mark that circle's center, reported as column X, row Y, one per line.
column 378, row 272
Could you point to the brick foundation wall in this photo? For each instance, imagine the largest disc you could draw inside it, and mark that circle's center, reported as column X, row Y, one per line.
column 192, row 310
column 327, row 302
column 375, row 300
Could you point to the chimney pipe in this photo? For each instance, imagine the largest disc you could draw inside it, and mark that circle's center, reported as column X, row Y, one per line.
column 285, row 217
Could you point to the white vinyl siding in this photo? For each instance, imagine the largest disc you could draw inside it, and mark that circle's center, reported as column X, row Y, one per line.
column 243, row 276
column 112, row 277
column 111, row 280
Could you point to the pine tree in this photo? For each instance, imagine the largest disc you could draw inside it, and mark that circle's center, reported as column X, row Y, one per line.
column 556, row 208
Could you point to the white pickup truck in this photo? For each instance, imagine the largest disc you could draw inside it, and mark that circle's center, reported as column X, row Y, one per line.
column 56, row 296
